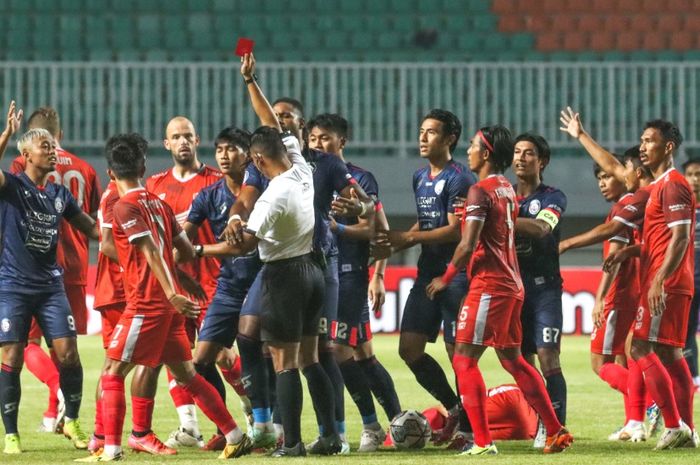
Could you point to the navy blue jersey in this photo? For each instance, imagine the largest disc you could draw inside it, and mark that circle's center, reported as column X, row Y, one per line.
column 539, row 258
column 330, row 176
column 697, row 248
column 435, row 198
column 213, row 204
column 255, row 178
column 354, row 254
column 30, row 220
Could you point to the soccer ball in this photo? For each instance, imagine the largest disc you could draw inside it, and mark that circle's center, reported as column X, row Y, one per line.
column 410, row 430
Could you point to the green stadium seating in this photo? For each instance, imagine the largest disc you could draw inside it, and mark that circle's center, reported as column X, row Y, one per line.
column 21, row 23
column 20, row 6
column 71, row 6
column 353, row 24
column 223, row 6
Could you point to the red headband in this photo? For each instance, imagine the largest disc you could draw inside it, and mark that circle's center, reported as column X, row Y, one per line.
column 483, row 138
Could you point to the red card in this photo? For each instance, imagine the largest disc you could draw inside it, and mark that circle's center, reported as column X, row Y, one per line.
column 244, row 46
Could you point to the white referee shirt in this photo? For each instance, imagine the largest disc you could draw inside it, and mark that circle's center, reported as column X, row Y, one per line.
column 283, row 217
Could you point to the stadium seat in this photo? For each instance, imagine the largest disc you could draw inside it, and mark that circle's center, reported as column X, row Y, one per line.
column 20, row 6
column 223, row 6
column 196, row 6
column 377, row 24
column 20, row 23
column 129, row 55
column 404, row 24
column 100, row 54
column 174, row 33
column 123, row 6
column 70, row 6
column 122, row 33
column 355, row 7
column 389, row 40
column 353, row 24
column 336, row 40
column 506, row 23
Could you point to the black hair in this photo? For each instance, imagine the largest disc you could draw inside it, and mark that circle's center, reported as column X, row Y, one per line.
column 126, row 155
column 296, row 104
column 501, row 141
column 540, row 143
column 235, row 136
column 450, row 124
column 267, row 141
column 332, row 122
column 632, row 155
column 690, row 161
column 668, row 130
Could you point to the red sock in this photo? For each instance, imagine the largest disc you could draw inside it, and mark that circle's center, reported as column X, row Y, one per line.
column 233, row 377
column 659, row 384
column 209, row 401
column 113, row 408
column 682, row 389
column 616, row 376
column 179, row 395
column 141, row 414
column 530, row 382
column 99, row 428
column 636, row 391
column 472, row 391
column 39, row 364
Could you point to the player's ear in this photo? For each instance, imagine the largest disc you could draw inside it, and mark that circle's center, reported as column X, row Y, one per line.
column 110, row 174
column 196, row 140
column 166, row 144
column 343, row 141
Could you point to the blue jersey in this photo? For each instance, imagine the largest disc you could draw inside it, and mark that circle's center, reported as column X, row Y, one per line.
column 539, row 258
column 255, row 178
column 435, row 198
column 354, row 254
column 30, row 218
column 697, row 249
column 330, row 176
column 213, row 204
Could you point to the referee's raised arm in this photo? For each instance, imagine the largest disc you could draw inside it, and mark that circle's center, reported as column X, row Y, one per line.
column 260, row 104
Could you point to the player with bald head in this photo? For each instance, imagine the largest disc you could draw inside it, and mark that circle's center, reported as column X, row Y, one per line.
column 178, row 186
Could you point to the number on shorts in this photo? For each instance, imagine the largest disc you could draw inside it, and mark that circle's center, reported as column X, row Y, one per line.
column 342, row 331
column 550, row 335
column 71, row 322
column 115, row 337
column 323, row 326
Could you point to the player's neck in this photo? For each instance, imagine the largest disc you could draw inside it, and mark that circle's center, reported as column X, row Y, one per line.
column 38, row 177
column 437, row 164
column 662, row 168
column 125, row 185
column 233, row 185
column 183, row 171
column 486, row 171
column 527, row 185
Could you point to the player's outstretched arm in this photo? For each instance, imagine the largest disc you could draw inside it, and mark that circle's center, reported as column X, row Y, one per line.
column 620, row 256
column 86, row 224
column 532, row 228
column 224, row 249
column 155, row 261
column 14, row 120
column 240, row 211
column 441, row 235
column 260, row 104
column 598, row 234
column 571, row 124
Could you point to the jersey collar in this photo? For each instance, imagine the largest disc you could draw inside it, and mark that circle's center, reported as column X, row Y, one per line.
column 664, row 174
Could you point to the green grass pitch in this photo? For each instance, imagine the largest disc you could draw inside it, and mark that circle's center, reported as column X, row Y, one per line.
column 594, row 411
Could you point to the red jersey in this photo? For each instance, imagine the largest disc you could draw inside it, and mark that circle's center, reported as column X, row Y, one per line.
column 494, row 265
column 109, row 287
column 671, row 203
column 80, row 179
column 140, row 213
column 632, row 213
column 179, row 194
column 625, row 286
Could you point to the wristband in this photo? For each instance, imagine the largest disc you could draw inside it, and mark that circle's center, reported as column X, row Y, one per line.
column 234, row 217
column 339, row 229
column 251, row 80
column 450, row 273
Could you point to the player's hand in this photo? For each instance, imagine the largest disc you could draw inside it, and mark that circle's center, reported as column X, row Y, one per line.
column 598, row 313
column 344, row 207
column 377, row 294
column 571, row 123
column 192, row 287
column 393, row 239
column 184, row 306
column 14, row 119
column 233, row 233
column 564, row 246
column 248, row 66
column 435, row 286
column 458, row 206
column 378, row 251
column 615, row 258
column 656, row 298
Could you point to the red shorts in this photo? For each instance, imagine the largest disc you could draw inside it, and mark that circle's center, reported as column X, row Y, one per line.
column 670, row 327
column 490, row 320
column 150, row 339
column 76, row 295
column 110, row 318
column 610, row 338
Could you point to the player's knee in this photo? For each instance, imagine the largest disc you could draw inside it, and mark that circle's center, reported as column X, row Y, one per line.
column 68, row 357
column 549, row 359
column 639, row 349
column 13, row 355
column 409, row 354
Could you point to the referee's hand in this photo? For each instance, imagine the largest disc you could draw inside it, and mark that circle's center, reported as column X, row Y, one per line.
column 233, row 233
column 185, row 306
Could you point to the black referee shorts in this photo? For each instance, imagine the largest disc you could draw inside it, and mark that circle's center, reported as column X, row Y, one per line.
column 291, row 299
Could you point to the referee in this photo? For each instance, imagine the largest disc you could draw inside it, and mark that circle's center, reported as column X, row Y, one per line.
column 281, row 225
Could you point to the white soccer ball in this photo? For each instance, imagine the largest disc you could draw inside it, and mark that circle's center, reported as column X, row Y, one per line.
column 410, row 430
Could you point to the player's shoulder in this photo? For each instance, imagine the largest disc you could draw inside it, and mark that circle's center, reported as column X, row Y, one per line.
column 359, row 172
column 212, row 189
column 157, row 178
column 68, row 160
column 210, row 172
column 550, row 191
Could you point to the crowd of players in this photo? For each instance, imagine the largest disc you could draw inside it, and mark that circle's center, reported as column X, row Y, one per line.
column 284, row 232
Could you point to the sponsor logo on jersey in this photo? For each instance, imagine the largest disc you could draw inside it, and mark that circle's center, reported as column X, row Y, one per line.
column 129, row 224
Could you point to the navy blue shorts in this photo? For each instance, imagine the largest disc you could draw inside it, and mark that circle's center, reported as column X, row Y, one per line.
column 251, row 303
column 541, row 318
column 220, row 324
column 329, row 312
column 424, row 316
column 51, row 310
column 352, row 327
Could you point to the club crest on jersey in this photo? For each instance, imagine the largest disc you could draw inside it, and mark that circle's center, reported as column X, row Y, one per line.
column 161, row 196
column 534, row 207
column 5, row 325
column 439, row 186
column 58, row 204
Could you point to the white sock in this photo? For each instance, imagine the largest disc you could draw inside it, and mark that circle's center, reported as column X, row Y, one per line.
column 265, row 427
column 634, row 424
column 279, row 429
column 112, row 451
column 188, row 419
column 234, row 436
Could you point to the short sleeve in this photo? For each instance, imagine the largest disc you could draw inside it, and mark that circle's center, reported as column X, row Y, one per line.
column 264, row 215
column 106, row 212
column 677, row 204
column 71, row 208
column 291, row 143
column 478, row 204
column 200, row 208
column 253, row 177
column 625, row 236
column 632, row 214
column 10, row 185
column 554, row 208
column 130, row 219
column 338, row 174
column 457, row 186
